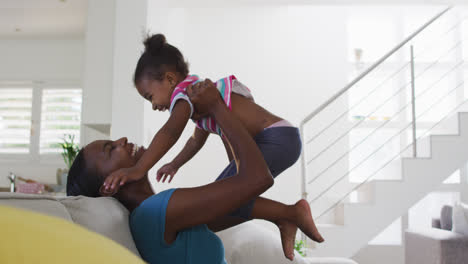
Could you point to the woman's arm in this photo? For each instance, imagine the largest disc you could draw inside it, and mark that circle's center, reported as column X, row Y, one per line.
column 194, row 206
column 228, row 149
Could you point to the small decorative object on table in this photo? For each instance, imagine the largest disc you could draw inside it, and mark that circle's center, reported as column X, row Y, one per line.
column 31, row 186
column 12, row 178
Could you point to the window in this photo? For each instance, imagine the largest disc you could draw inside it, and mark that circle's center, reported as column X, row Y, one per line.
column 437, row 96
column 35, row 119
column 60, row 115
column 369, row 99
column 455, row 178
column 363, row 29
column 15, row 120
column 366, row 162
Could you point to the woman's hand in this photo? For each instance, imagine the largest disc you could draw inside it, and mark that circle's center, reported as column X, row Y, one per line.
column 168, row 170
column 205, row 97
column 118, row 178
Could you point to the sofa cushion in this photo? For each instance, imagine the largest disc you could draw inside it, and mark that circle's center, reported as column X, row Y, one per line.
column 252, row 243
column 38, row 203
column 460, row 219
column 446, row 217
column 37, row 238
column 104, row 215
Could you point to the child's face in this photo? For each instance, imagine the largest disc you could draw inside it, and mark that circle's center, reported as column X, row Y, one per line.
column 158, row 93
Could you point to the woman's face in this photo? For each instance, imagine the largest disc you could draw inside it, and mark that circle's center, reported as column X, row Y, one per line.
column 107, row 156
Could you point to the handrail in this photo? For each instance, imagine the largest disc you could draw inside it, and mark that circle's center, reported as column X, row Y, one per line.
column 385, row 102
column 399, row 112
column 378, row 86
column 372, row 67
column 385, row 123
column 398, row 154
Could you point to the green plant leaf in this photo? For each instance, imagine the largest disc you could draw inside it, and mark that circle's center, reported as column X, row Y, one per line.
column 299, row 246
column 69, row 149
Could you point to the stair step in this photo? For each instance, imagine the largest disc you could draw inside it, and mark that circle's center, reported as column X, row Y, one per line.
column 392, row 198
column 363, row 194
column 463, row 123
column 439, row 143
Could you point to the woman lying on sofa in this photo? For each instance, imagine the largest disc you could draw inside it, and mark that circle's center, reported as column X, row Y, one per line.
column 177, row 225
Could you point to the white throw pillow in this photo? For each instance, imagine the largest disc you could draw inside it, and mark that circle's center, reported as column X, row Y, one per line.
column 251, row 243
column 460, row 219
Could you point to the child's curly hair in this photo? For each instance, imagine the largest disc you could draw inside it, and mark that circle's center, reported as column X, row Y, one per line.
column 158, row 58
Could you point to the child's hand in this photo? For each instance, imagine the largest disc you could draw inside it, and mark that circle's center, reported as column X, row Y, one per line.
column 118, row 178
column 167, row 170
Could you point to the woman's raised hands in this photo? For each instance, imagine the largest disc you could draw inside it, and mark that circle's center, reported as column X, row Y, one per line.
column 204, row 97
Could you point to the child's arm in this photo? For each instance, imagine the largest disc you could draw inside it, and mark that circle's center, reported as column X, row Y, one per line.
column 193, row 145
column 166, row 137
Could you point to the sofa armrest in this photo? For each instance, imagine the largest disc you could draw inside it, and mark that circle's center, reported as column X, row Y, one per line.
column 432, row 245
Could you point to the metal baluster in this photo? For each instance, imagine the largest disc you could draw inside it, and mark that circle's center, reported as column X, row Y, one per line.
column 413, row 104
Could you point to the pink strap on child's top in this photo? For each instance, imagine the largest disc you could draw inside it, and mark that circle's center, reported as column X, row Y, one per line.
column 282, row 123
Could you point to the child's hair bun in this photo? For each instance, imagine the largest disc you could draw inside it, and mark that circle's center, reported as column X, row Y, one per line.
column 154, row 43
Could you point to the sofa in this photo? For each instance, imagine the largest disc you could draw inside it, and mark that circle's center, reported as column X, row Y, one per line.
column 31, row 237
column 246, row 243
column 436, row 245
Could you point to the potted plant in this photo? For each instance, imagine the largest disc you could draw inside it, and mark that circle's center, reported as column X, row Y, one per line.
column 299, row 246
column 69, row 151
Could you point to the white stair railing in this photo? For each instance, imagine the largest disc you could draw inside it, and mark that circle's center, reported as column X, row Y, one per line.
column 417, row 94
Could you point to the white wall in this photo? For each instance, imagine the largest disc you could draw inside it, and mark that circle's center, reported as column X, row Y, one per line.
column 285, row 55
column 41, row 60
column 44, row 60
column 127, row 105
column 98, row 69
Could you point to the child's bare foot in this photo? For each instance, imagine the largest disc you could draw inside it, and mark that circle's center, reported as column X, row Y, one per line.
column 305, row 222
column 288, row 237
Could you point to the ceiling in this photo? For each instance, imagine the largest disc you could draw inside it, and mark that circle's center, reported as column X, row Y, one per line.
column 42, row 18
column 216, row 3
column 67, row 18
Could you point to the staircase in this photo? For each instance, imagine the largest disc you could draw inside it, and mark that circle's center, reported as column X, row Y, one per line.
column 352, row 212
column 363, row 221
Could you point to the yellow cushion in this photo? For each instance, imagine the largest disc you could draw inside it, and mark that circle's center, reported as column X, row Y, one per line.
column 27, row 237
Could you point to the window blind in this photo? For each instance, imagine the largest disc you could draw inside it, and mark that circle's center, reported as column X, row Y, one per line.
column 15, row 120
column 60, row 116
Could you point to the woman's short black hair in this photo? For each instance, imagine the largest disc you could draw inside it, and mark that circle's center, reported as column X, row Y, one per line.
column 158, row 58
column 83, row 180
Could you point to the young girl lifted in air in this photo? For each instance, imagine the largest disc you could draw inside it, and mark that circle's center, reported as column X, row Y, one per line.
column 162, row 77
